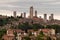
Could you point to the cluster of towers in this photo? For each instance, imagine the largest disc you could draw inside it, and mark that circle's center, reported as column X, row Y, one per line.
column 32, row 12
column 14, row 14
column 51, row 17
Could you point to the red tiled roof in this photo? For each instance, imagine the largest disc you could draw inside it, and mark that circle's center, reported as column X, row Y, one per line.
column 45, row 30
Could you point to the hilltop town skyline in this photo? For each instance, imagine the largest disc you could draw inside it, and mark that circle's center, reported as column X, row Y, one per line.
column 29, row 19
column 31, row 28
column 42, row 6
column 33, row 12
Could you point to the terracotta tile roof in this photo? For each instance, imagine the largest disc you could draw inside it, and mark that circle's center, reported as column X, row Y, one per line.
column 45, row 30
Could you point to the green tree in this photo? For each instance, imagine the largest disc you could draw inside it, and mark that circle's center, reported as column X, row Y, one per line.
column 40, row 36
column 30, row 34
column 15, row 35
column 2, row 32
column 37, row 26
column 26, row 38
column 48, row 38
column 24, row 26
column 3, row 22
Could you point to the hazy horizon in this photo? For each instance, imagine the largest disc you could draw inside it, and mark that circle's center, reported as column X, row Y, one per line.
column 42, row 6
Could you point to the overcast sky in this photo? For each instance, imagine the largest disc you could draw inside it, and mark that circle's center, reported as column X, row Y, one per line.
column 42, row 6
